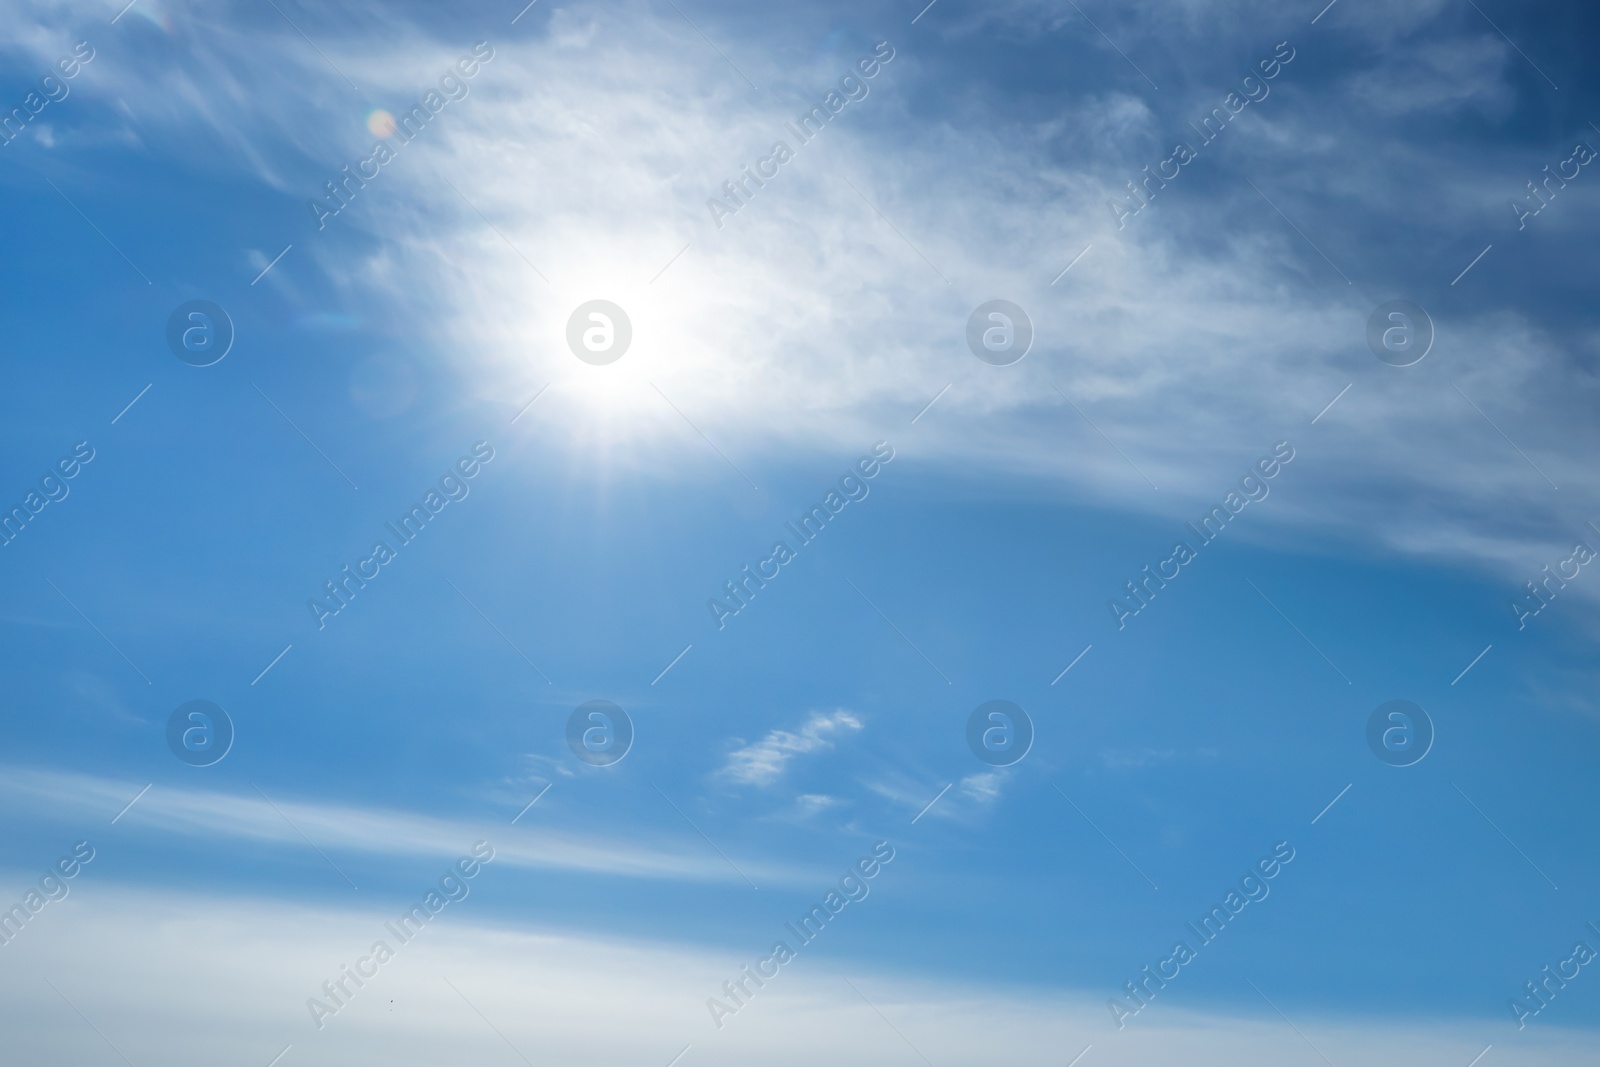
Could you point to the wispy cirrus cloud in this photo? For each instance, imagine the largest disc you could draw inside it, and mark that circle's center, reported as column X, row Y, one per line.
column 1209, row 303
column 763, row 762
column 284, row 820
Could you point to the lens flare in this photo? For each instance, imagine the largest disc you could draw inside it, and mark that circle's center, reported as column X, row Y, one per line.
column 380, row 122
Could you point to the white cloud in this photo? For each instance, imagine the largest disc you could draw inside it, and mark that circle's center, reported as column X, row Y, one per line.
column 982, row 788
column 762, row 762
column 1195, row 338
column 811, row 803
column 1439, row 77
column 187, row 980
column 1138, row 758
column 199, row 813
column 965, row 800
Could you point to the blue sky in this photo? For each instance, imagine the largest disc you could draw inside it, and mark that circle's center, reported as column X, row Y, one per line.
column 770, row 354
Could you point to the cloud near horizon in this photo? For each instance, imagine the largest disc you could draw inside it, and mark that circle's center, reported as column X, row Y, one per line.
column 464, row 988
